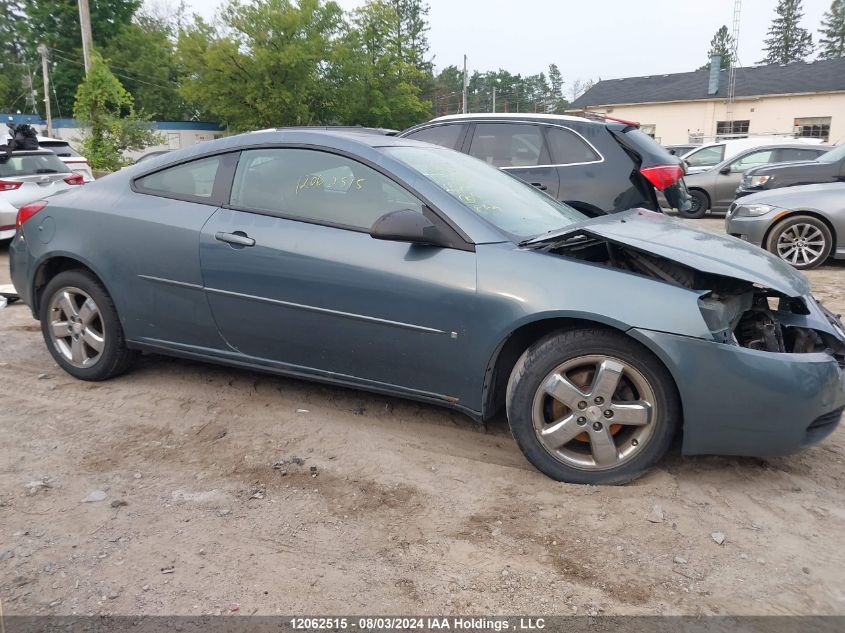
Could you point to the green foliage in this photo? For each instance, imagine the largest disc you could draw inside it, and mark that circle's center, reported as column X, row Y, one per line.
column 142, row 54
column 721, row 44
column 56, row 24
column 787, row 41
column 105, row 107
column 14, row 72
column 832, row 40
column 265, row 66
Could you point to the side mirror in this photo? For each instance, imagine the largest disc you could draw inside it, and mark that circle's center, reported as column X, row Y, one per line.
column 407, row 225
column 725, row 170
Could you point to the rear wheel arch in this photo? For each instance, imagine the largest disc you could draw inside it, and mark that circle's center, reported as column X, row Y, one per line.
column 509, row 350
column 52, row 267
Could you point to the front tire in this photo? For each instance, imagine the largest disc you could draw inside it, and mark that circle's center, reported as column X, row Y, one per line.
column 592, row 406
column 81, row 327
column 802, row 241
column 700, row 205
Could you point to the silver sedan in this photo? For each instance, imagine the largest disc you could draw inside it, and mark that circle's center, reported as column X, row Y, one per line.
column 803, row 225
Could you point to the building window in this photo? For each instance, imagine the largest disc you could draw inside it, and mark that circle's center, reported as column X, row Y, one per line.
column 813, row 127
column 731, row 128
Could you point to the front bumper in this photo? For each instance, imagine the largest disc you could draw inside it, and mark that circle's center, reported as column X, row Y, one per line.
column 739, row 401
column 751, row 229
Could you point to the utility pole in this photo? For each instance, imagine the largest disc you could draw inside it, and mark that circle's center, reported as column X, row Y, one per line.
column 494, row 98
column 42, row 50
column 466, row 83
column 85, row 26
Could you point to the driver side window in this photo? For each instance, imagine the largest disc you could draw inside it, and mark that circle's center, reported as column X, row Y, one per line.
column 315, row 186
column 754, row 159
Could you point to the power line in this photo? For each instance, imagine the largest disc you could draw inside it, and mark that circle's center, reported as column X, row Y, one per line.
column 111, row 67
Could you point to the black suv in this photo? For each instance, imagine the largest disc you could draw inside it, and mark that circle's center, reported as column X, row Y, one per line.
column 829, row 167
column 597, row 166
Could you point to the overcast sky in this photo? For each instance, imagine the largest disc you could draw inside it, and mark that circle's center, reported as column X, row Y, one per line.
column 602, row 38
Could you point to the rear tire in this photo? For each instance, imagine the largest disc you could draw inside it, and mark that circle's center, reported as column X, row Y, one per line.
column 802, row 241
column 700, row 205
column 614, row 411
column 81, row 327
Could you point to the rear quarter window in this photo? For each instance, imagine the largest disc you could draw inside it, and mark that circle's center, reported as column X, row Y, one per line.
column 193, row 181
column 444, row 135
column 568, row 148
column 13, row 166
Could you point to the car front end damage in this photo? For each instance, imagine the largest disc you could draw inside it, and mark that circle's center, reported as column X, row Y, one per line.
column 769, row 379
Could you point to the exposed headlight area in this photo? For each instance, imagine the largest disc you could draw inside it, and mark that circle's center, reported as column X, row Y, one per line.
column 763, row 320
column 752, row 210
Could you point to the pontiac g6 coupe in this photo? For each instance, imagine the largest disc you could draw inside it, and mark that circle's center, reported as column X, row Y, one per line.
column 403, row 268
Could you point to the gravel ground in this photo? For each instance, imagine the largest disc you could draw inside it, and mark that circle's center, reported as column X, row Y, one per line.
column 381, row 505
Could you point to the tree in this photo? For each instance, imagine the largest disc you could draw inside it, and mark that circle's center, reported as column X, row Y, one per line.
column 142, row 55
column 579, row 87
column 266, row 65
column 721, row 44
column 105, row 107
column 15, row 90
column 380, row 68
column 832, row 40
column 56, row 24
column 787, row 41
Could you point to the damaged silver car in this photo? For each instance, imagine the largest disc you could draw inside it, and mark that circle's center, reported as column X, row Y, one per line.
column 402, row 268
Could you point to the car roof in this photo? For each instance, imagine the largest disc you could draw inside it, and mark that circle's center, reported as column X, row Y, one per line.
column 361, row 143
column 516, row 116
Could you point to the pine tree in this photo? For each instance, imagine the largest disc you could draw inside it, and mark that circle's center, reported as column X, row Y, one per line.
column 721, row 44
column 832, row 40
column 787, row 41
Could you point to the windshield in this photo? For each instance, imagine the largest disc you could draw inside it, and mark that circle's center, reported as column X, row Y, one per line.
column 30, row 165
column 504, row 201
column 834, row 155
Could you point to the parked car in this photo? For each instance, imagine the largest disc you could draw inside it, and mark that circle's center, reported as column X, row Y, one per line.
column 715, row 189
column 595, row 166
column 8, row 213
column 680, row 150
column 29, row 175
column 78, row 164
column 404, row 268
column 802, row 225
column 711, row 154
column 829, row 167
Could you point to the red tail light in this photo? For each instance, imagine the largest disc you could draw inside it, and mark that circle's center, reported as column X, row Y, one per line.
column 9, row 185
column 663, row 176
column 27, row 211
column 75, row 179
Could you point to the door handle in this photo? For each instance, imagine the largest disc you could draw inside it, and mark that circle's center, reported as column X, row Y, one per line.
column 539, row 186
column 238, row 238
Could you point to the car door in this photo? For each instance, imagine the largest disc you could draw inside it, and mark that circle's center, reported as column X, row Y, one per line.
column 153, row 247
column 730, row 175
column 519, row 149
column 295, row 280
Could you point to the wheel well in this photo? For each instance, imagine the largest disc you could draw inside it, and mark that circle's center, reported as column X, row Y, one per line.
column 50, row 269
column 509, row 351
column 812, row 214
column 704, row 193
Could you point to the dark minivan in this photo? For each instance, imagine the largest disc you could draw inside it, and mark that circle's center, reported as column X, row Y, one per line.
column 596, row 166
column 829, row 167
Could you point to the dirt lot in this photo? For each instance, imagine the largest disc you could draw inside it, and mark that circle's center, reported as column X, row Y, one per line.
column 413, row 509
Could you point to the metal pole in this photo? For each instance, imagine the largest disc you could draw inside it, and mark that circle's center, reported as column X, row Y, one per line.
column 87, row 40
column 42, row 50
column 494, row 98
column 466, row 83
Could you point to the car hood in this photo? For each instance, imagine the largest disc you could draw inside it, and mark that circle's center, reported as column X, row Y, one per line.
column 801, row 196
column 697, row 248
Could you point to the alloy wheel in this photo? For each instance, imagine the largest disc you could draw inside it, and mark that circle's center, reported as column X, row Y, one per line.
column 594, row 412
column 76, row 327
column 801, row 244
